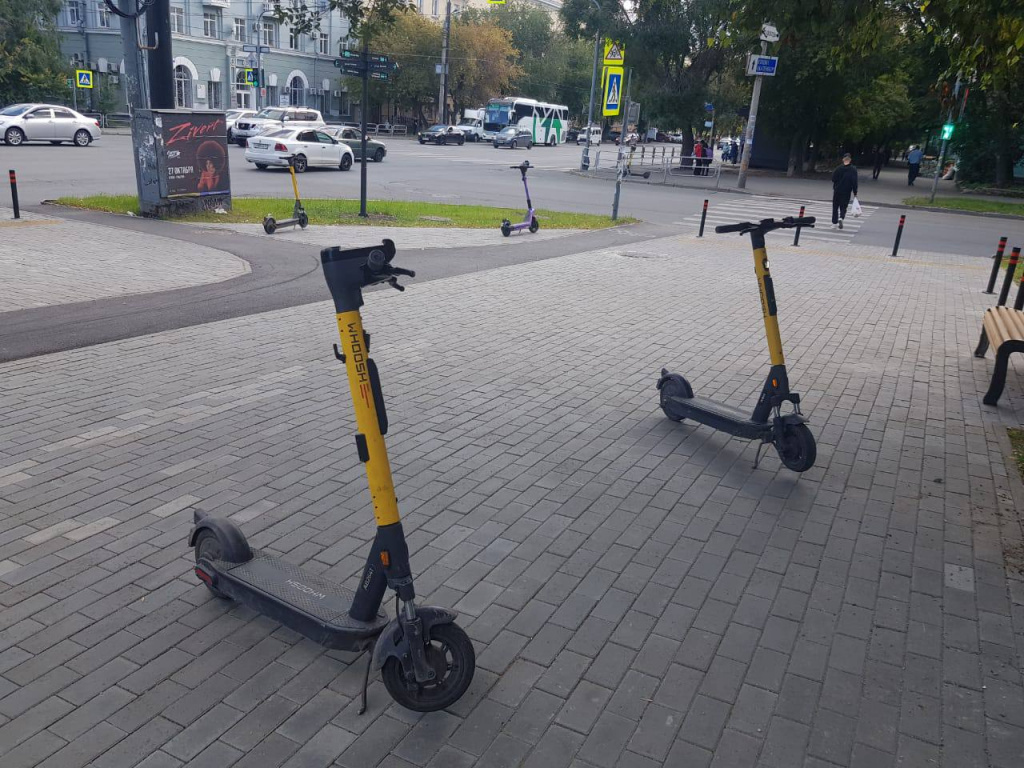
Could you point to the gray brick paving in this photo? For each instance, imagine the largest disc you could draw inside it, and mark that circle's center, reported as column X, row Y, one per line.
column 638, row 594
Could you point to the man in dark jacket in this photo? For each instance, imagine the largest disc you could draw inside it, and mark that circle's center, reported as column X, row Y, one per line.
column 844, row 186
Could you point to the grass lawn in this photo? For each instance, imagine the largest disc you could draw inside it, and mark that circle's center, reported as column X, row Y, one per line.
column 1017, row 441
column 387, row 213
column 975, row 204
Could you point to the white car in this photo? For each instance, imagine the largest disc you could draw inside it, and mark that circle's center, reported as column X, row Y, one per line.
column 306, row 147
column 232, row 116
column 46, row 122
column 472, row 128
column 275, row 118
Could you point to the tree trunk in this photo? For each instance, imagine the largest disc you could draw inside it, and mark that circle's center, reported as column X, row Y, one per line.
column 808, row 156
column 1005, row 150
column 795, row 159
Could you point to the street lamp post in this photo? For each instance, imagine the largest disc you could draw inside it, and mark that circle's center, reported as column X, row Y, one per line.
column 442, row 98
column 585, row 161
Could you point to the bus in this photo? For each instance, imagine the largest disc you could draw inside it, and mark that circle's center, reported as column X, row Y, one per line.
column 547, row 122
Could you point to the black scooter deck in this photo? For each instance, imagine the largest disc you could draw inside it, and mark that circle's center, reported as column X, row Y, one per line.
column 722, row 417
column 305, row 602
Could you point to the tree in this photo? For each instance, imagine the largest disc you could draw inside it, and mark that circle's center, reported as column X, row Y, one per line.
column 483, row 63
column 31, row 65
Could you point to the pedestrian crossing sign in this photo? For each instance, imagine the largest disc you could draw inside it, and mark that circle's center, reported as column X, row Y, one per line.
column 612, row 91
column 83, row 78
column 614, row 53
column 250, row 77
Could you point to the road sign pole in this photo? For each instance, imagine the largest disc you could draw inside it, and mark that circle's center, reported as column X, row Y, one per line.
column 748, row 145
column 442, row 98
column 585, row 161
column 74, row 97
column 365, row 76
column 159, row 58
column 620, row 166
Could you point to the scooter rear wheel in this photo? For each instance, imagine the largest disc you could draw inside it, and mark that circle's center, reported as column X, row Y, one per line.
column 209, row 546
column 450, row 653
column 672, row 386
column 269, row 225
column 303, row 220
column 506, row 228
column 797, row 449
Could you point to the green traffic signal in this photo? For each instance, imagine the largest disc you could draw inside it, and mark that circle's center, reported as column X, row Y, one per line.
column 947, row 132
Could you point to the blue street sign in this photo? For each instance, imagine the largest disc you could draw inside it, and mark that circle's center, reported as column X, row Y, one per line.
column 84, row 78
column 762, row 65
column 612, row 92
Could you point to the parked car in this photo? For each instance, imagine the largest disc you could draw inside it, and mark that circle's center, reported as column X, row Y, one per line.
column 595, row 135
column 631, row 139
column 513, row 137
column 46, row 122
column 662, row 136
column 232, row 116
column 308, row 147
column 375, row 149
column 472, row 128
column 275, row 118
column 442, row 134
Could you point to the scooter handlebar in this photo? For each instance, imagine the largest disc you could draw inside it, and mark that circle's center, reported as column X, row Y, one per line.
column 767, row 225
column 349, row 271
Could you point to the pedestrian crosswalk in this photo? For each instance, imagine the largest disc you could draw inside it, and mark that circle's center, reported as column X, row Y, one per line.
column 501, row 159
column 732, row 209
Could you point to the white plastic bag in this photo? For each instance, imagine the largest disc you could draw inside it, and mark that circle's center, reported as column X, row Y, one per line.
column 855, row 207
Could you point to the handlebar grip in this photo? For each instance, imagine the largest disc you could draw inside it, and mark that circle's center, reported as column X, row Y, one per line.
column 725, row 228
column 804, row 221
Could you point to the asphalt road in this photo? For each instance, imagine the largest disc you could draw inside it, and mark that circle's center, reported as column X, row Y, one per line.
column 477, row 173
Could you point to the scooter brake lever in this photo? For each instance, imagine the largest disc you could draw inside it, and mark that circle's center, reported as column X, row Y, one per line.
column 400, row 271
column 393, row 282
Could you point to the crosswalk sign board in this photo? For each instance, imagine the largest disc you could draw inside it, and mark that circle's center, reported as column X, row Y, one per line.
column 612, row 91
column 250, row 77
column 614, row 53
column 83, row 78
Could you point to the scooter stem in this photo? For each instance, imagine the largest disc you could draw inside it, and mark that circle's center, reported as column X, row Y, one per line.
column 769, row 308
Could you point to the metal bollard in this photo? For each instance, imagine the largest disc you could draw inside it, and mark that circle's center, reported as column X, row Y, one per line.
column 1011, row 268
column 997, row 261
column 703, row 217
column 1019, row 302
column 14, row 193
column 796, row 236
column 899, row 235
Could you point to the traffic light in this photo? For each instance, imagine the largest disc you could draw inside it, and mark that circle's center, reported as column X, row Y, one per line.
column 947, row 132
column 257, row 80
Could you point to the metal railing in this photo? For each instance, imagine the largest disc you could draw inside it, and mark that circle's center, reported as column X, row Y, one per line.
column 669, row 163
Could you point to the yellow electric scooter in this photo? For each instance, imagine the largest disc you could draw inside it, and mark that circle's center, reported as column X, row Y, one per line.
column 271, row 225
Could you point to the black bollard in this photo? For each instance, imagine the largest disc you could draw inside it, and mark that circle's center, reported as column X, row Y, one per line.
column 796, row 236
column 899, row 235
column 1011, row 267
column 703, row 217
column 14, row 193
column 997, row 261
column 1019, row 302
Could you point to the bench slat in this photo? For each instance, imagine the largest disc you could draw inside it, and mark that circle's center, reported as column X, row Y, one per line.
column 1003, row 324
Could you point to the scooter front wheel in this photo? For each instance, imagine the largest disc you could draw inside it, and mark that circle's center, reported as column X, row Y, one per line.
column 534, row 225
column 796, row 447
column 673, row 385
column 269, row 225
column 450, row 654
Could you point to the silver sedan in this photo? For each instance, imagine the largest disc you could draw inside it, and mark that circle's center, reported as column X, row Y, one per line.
column 46, row 122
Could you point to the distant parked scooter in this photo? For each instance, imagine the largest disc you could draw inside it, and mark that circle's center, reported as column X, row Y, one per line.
column 271, row 225
column 529, row 220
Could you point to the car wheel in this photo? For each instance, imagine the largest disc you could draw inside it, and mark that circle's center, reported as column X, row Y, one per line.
column 231, row 139
column 422, row 141
column 83, row 138
column 14, row 137
column 552, row 142
column 346, row 162
column 378, row 156
column 300, row 163
column 495, row 145
column 261, row 166
column 529, row 145
column 462, row 140
column 512, row 145
column 442, row 141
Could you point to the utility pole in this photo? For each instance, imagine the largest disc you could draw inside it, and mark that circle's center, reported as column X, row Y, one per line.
column 159, row 55
column 134, row 79
column 748, row 146
column 365, row 76
column 620, row 165
column 585, row 161
column 442, row 99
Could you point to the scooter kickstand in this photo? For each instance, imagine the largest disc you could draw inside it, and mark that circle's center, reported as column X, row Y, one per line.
column 366, row 678
column 757, row 456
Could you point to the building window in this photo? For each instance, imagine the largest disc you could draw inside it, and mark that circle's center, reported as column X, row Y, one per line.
column 102, row 15
column 240, row 30
column 269, row 36
column 271, row 100
column 213, row 96
column 182, row 87
column 178, row 20
column 433, row 7
column 325, row 43
column 293, row 39
column 74, row 13
column 210, row 25
column 243, row 92
column 296, row 92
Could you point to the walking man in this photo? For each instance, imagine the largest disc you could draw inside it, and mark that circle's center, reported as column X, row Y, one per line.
column 913, row 164
column 879, row 162
column 844, row 186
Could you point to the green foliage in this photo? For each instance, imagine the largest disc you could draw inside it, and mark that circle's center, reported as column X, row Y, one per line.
column 108, row 96
column 367, row 18
column 31, row 66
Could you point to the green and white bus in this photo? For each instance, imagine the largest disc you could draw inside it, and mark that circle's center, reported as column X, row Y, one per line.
column 547, row 122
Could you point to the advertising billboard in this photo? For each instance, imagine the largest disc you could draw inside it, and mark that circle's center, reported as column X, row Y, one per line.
column 195, row 154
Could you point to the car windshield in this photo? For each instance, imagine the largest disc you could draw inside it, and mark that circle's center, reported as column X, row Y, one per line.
column 437, row 128
column 271, row 114
column 15, row 109
column 510, row 131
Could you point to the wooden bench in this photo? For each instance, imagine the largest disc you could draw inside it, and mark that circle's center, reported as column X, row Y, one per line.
column 1003, row 328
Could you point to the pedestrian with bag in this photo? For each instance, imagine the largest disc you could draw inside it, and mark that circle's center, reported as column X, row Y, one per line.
column 913, row 164
column 698, row 156
column 879, row 162
column 844, row 186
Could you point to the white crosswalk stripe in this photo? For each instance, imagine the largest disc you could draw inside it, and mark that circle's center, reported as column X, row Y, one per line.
column 732, row 209
column 504, row 159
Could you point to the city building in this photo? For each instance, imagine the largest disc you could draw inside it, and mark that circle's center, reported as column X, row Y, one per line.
column 210, row 60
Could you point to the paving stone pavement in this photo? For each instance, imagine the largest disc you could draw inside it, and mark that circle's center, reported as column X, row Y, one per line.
column 46, row 261
column 404, row 237
column 637, row 593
